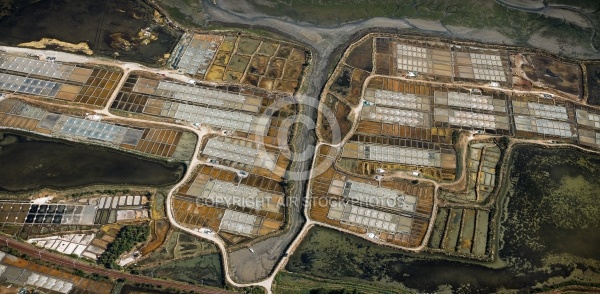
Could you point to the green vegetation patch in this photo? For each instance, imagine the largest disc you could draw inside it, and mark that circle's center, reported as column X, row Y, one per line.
column 518, row 25
column 330, row 255
column 556, row 192
column 186, row 12
column 178, row 245
column 201, row 270
column 331, row 12
column 126, row 239
column 290, row 283
column 573, row 203
column 593, row 72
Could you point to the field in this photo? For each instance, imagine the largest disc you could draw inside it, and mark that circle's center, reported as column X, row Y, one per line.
column 151, row 141
column 483, row 160
column 556, row 197
column 353, row 263
column 204, row 269
column 88, row 85
column 341, row 111
column 272, row 164
column 80, row 285
column 325, row 253
column 546, row 73
column 142, row 96
column 338, row 12
column 291, row 283
column 185, row 12
column 593, row 7
column 515, row 24
column 348, row 84
column 462, row 232
column 327, row 190
column 439, row 61
column 196, row 208
column 178, row 245
column 264, row 64
column 593, row 76
column 256, row 61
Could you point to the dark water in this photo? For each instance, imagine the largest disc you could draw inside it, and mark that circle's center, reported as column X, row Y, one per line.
column 90, row 21
column 29, row 163
column 552, row 229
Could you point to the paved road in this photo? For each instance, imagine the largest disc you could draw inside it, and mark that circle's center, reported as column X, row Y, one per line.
column 69, row 262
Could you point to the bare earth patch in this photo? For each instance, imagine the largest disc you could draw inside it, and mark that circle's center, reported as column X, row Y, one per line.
column 70, row 47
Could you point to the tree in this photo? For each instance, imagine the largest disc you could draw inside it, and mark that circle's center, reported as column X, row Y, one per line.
column 126, row 239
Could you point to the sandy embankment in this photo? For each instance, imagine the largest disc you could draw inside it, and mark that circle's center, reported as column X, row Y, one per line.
column 70, row 47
